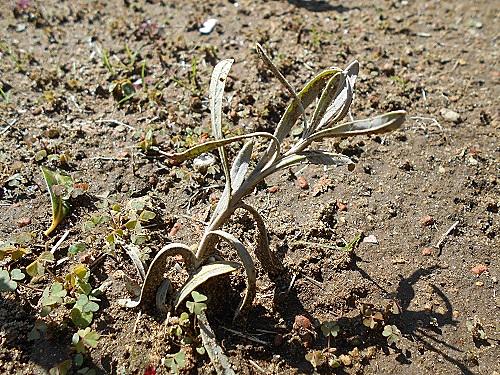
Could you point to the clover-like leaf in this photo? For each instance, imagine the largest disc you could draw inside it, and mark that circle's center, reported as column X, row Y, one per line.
column 82, row 311
column 392, row 333
column 330, row 328
column 196, row 306
column 58, row 185
column 6, row 283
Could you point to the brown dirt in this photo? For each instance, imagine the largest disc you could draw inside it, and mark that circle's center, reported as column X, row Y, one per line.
column 420, row 56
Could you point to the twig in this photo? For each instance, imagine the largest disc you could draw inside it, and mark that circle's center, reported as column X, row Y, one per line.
column 439, row 244
column 137, row 321
column 291, row 283
column 58, row 243
column 254, row 364
column 9, row 125
column 315, row 282
column 427, row 119
column 241, row 334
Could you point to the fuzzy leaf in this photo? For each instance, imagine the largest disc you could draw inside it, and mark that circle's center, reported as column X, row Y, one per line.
column 6, row 284
column 219, row 360
column 240, row 165
column 16, row 274
column 202, row 275
column 59, row 199
column 381, row 124
column 307, row 95
column 212, row 145
column 339, row 108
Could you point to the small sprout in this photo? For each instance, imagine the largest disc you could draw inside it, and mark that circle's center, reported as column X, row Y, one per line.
column 12, row 251
column 61, row 368
column 82, row 311
column 77, row 279
column 147, row 215
column 476, row 329
column 37, row 267
column 52, row 296
column 316, row 358
column 84, row 339
column 76, row 248
column 371, row 317
column 392, row 333
column 334, row 362
column 176, row 361
column 8, row 282
column 148, row 142
column 196, row 307
column 330, row 328
column 59, row 186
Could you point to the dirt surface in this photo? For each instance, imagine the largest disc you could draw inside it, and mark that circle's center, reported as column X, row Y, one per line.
column 67, row 70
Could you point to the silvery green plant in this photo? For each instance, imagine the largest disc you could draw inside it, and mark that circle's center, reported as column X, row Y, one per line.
column 332, row 92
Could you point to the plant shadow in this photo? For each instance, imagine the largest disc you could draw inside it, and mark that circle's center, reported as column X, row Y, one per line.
column 319, row 6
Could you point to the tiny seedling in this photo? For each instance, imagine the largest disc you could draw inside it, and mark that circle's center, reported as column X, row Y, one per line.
column 52, row 297
column 83, row 310
column 392, row 333
column 332, row 93
column 85, row 339
column 176, row 362
column 59, row 186
column 316, row 358
column 8, row 281
column 330, row 329
column 37, row 267
column 371, row 317
column 197, row 306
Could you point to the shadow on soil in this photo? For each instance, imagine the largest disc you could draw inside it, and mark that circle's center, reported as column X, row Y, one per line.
column 419, row 326
column 319, row 6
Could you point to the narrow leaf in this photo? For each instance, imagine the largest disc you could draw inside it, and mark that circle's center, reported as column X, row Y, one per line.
column 154, row 276
column 376, row 125
column 240, row 165
column 217, row 84
column 343, row 99
column 263, row 251
column 219, row 360
column 58, row 198
column 307, row 95
column 246, row 259
column 212, row 145
column 202, row 275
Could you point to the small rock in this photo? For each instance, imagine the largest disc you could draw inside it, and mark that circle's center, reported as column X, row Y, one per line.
column 203, row 162
column 426, row 251
column 450, row 115
column 208, row 26
column 302, row 183
column 22, row 222
column 273, row 189
column 341, row 206
column 370, row 239
column 302, row 322
column 479, row 269
column 174, row 229
column 427, row 220
column 20, row 27
column 441, row 169
column 479, row 283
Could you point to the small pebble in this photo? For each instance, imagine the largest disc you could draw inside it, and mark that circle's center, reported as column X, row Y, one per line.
column 273, row 189
column 370, row 239
column 22, row 222
column 450, row 115
column 479, row 283
column 341, row 206
column 302, row 183
column 174, row 229
column 427, row 220
column 426, row 251
column 479, row 269
column 303, row 322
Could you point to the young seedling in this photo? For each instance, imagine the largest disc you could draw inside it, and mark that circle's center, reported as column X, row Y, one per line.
column 330, row 329
column 332, row 91
column 392, row 333
column 59, row 186
column 8, row 281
